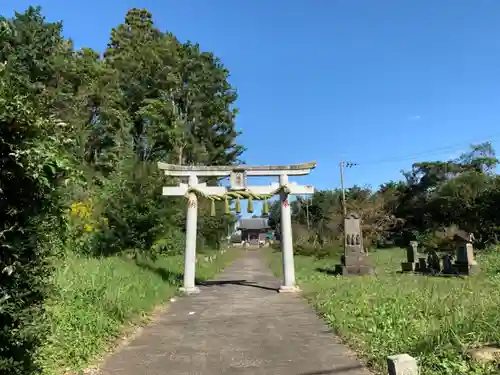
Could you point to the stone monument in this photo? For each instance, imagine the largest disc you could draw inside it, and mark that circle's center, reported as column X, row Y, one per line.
column 465, row 263
column 422, row 265
column 355, row 261
column 433, row 262
column 448, row 264
column 411, row 264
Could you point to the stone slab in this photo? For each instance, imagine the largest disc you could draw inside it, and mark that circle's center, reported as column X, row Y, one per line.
column 238, row 324
column 353, row 270
column 466, row 269
column 356, row 259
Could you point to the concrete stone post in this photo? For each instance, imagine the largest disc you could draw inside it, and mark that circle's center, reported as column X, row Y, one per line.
column 189, row 286
column 287, row 242
column 402, row 364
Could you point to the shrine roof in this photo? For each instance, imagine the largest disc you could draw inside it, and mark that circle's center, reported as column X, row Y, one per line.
column 254, row 223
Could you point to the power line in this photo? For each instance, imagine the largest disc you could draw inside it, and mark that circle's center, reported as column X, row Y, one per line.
column 434, row 151
column 438, row 150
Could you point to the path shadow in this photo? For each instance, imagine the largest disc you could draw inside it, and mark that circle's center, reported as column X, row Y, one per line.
column 327, row 271
column 252, row 284
column 166, row 275
column 340, row 370
column 176, row 278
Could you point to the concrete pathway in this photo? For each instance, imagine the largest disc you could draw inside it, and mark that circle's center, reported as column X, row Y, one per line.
column 238, row 324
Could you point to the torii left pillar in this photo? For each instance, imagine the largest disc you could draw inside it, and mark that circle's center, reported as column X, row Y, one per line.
column 189, row 286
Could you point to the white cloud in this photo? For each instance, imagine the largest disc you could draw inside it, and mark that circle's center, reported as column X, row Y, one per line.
column 414, row 118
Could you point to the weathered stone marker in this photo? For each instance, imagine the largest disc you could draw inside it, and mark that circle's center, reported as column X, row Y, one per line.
column 402, row 364
column 355, row 260
column 422, row 264
column 433, row 262
column 412, row 252
column 465, row 263
column 447, row 264
column 238, row 175
column 411, row 263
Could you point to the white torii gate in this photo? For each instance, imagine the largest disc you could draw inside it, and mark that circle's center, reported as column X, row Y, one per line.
column 238, row 178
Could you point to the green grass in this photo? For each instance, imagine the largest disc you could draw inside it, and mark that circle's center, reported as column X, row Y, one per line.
column 432, row 318
column 96, row 299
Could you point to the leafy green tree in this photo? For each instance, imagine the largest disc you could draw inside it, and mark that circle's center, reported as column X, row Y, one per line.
column 177, row 97
column 180, row 109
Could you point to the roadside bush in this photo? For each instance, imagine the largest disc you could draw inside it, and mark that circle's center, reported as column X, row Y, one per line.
column 84, row 227
column 318, row 252
column 213, row 229
column 31, row 168
column 170, row 243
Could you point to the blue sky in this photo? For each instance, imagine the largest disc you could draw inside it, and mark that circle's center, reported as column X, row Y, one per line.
column 383, row 83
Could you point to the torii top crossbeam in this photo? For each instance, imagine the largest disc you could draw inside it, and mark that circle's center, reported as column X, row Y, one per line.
column 226, row 170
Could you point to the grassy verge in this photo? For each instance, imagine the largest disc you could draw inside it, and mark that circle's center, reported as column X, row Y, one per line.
column 97, row 298
column 434, row 319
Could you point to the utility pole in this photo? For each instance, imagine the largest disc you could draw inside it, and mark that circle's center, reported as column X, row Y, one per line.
column 342, row 165
column 307, row 213
column 305, row 202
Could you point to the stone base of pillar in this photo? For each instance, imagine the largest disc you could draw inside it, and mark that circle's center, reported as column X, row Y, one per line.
column 360, row 270
column 188, row 291
column 289, row 289
column 409, row 267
